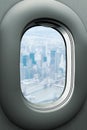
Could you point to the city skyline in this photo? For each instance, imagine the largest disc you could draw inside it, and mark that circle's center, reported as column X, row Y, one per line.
column 42, row 64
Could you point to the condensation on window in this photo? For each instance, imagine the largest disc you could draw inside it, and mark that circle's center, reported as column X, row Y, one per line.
column 42, row 65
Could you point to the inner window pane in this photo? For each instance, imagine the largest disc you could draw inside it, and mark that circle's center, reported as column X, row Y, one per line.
column 42, row 65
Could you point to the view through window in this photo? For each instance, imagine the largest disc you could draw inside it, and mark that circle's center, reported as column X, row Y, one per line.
column 42, row 65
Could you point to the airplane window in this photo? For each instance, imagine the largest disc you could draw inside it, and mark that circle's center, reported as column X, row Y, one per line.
column 42, row 65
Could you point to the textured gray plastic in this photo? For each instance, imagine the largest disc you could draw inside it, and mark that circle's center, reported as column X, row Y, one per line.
column 11, row 30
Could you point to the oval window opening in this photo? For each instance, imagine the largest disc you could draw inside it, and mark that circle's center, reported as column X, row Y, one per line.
column 42, row 65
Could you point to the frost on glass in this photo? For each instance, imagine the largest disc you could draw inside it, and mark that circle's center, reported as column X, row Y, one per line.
column 42, row 65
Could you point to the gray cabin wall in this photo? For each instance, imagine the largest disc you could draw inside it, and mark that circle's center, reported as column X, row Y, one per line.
column 80, row 120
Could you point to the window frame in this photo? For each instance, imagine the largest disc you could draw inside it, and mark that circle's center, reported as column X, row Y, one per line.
column 70, row 65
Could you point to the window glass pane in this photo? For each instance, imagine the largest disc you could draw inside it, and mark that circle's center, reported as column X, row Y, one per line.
column 42, row 65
